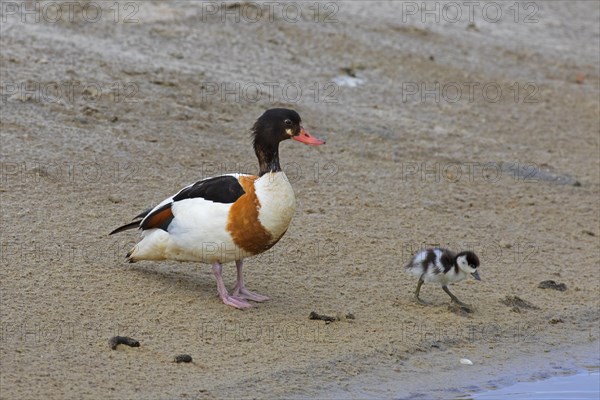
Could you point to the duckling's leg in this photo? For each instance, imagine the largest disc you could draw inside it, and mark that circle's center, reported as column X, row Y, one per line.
column 223, row 294
column 418, row 290
column 240, row 291
column 453, row 297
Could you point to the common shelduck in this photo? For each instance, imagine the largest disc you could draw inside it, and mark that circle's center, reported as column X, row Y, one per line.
column 444, row 267
column 228, row 217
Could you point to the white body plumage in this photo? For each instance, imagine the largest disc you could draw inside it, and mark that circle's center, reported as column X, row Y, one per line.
column 199, row 229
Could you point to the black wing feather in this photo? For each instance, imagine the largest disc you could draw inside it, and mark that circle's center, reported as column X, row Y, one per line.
column 221, row 189
column 143, row 213
column 131, row 225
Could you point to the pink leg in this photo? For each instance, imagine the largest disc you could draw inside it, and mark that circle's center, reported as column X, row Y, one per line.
column 240, row 291
column 223, row 294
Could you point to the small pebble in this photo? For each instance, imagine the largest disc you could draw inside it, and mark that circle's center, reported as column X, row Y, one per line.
column 466, row 361
column 550, row 284
column 327, row 318
column 183, row 358
column 117, row 340
column 472, row 27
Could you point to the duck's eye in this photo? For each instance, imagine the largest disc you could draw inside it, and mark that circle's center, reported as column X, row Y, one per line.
column 288, row 122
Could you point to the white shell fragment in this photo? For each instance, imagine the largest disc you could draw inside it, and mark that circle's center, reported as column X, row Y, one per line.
column 466, row 361
column 348, row 81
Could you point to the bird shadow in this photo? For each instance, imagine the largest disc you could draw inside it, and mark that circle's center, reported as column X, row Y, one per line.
column 182, row 277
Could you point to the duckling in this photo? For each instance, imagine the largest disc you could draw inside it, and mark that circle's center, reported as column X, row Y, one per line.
column 444, row 267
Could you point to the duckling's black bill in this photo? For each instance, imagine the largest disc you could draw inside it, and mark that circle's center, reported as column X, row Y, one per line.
column 307, row 138
column 476, row 275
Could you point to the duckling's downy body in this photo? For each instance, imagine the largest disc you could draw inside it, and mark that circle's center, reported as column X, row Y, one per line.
column 444, row 267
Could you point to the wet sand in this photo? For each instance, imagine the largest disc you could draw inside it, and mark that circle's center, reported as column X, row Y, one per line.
column 169, row 99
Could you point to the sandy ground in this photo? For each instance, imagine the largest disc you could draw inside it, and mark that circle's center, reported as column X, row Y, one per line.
column 103, row 118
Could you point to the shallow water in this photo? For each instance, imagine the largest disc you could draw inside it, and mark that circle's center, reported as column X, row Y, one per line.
column 564, row 373
column 584, row 385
